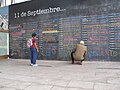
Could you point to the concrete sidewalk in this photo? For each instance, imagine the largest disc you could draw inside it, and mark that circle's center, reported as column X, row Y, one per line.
column 59, row 75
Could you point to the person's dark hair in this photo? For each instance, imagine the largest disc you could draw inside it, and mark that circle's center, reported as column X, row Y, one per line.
column 34, row 34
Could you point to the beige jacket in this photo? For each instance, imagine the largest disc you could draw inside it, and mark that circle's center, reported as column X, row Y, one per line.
column 80, row 51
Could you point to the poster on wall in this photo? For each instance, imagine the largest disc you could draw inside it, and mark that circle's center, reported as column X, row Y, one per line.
column 4, row 18
column 4, row 37
column 61, row 25
column 4, row 43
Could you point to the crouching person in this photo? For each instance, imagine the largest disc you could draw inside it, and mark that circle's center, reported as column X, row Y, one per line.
column 79, row 53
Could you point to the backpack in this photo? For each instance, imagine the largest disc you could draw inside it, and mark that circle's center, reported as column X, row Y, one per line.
column 29, row 43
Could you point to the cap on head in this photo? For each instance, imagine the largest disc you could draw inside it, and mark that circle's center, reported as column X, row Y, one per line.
column 82, row 42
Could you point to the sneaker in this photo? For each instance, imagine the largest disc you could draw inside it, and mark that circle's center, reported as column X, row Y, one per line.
column 31, row 64
column 34, row 65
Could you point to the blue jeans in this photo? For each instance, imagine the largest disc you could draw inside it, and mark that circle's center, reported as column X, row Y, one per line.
column 33, row 56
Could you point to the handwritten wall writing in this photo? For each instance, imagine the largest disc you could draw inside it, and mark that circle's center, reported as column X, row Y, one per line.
column 96, row 22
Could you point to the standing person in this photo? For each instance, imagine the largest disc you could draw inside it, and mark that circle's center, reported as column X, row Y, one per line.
column 33, row 50
column 79, row 53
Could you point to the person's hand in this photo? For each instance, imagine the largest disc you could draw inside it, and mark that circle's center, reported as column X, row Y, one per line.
column 37, row 50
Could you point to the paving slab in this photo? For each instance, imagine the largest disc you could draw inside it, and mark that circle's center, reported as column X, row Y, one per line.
column 17, row 74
